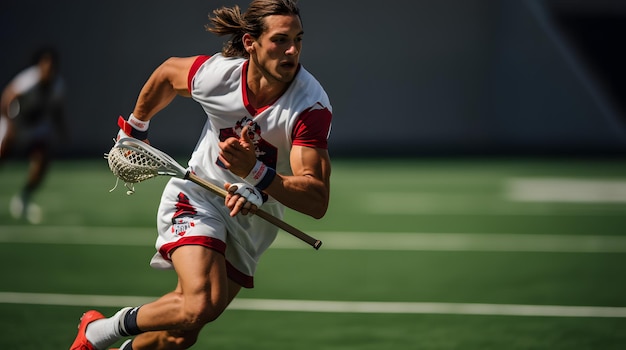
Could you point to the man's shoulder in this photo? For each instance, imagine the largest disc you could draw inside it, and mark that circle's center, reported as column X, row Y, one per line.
column 308, row 87
column 220, row 60
column 218, row 67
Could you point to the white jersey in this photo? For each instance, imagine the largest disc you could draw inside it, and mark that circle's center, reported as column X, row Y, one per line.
column 191, row 215
column 36, row 103
column 219, row 88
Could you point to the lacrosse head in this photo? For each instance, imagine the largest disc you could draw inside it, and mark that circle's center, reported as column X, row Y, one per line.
column 133, row 161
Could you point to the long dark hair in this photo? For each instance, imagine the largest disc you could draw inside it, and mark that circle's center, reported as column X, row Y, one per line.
column 230, row 21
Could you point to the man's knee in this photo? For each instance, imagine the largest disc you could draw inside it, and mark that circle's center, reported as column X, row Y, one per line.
column 202, row 310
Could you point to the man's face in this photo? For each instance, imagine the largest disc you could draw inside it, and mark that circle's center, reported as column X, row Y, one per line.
column 277, row 50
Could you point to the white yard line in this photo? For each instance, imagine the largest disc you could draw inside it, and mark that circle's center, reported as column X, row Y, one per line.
column 522, row 196
column 334, row 240
column 566, row 190
column 377, row 241
column 332, row 306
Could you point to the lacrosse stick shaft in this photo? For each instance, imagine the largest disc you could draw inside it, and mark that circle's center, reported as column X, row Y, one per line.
column 315, row 243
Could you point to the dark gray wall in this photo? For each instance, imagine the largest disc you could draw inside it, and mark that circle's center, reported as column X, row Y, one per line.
column 404, row 77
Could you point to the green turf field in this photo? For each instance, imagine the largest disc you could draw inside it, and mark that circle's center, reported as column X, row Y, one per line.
column 417, row 254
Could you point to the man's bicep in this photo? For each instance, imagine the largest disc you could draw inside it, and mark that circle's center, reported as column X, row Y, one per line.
column 310, row 161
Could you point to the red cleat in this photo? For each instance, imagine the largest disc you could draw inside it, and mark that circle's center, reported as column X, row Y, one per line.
column 81, row 342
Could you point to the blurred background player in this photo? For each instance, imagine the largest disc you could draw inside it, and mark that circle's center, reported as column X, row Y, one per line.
column 31, row 115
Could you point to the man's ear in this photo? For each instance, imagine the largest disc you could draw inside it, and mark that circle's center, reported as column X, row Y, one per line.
column 248, row 42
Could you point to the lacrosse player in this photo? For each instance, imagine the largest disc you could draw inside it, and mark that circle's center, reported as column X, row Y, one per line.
column 264, row 141
column 31, row 115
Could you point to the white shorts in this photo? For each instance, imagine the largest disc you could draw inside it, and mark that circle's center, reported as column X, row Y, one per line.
column 191, row 215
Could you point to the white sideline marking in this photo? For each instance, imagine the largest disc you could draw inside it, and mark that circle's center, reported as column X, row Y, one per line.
column 375, row 241
column 566, row 190
column 332, row 306
column 517, row 196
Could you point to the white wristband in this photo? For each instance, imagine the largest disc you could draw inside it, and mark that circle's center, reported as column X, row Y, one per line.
column 138, row 124
column 257, row 173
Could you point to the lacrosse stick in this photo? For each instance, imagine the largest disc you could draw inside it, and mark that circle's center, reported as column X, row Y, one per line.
column 134, row 161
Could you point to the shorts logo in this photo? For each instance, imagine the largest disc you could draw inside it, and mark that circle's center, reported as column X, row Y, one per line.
column 182, row 220
column 184, row 207
column 181, row 226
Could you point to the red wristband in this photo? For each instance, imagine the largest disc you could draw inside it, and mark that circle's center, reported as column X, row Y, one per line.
column 130, row 130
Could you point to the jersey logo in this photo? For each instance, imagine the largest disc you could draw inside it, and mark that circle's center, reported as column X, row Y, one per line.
column 264, row 150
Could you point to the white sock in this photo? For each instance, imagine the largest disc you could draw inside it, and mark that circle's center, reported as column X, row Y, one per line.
column 105, row 332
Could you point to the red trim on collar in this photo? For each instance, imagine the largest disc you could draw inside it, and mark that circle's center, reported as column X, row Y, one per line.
column 244, row 90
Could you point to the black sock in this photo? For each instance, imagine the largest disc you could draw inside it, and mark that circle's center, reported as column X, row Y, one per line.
column 130, row 322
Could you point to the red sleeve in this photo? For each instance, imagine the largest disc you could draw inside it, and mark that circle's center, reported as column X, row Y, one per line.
column 194, row 69
column 312, row 128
